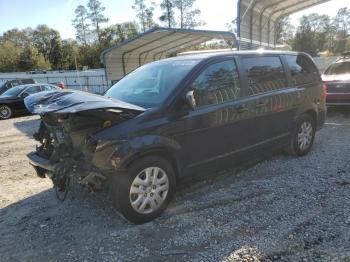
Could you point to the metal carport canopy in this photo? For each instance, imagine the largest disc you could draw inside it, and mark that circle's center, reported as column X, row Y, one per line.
column 153, row 45
column 257, row 19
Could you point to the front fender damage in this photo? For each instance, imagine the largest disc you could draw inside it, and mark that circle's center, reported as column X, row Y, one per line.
column 67, row 150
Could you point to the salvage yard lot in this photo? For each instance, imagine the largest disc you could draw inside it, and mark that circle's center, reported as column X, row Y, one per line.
column 283, row 208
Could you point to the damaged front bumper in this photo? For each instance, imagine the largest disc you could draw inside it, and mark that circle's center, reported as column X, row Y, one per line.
column 68, row 149
column 40, row 162
column 91, row 178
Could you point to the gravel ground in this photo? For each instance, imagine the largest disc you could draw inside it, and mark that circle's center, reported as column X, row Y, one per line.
column 280, row 209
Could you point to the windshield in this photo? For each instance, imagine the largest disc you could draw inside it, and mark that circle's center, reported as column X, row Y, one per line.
column 338, row 69
column 14, row 91
column 2, row 85
column 149, row 85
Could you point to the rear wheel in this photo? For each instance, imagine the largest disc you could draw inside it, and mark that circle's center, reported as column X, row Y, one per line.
column 144, row 190
column 5, row 112
column 303, row 136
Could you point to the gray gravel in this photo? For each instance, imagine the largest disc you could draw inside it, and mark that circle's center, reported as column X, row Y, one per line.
column 280, row 209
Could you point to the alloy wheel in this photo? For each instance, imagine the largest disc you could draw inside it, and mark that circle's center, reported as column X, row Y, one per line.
column 305, row 135
column 5, row 112
column 149, row 190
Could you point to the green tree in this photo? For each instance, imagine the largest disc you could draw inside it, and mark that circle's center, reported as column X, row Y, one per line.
column 49, row 43
column 30, row 59
column 145, row 14
column 314, row 34
column 304, row 40
column 342, row 20
column 56, row 55
column 284, row 31
column 187, row 15
column 70, row 52
column 96, row 16
column 118, row 33
column 9, row 56
column 81, row 24
column 46, row 39
column 347, row 47
column 167, row 7
column 18, row 37
column 342, row 23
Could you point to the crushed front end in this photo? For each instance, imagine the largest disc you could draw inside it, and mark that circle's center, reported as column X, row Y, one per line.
column 68, row 150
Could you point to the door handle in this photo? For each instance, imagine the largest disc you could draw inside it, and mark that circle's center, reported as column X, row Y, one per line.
column 261, row 104
column 241, row 109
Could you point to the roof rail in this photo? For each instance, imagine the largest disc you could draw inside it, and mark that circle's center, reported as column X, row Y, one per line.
column 346, row 54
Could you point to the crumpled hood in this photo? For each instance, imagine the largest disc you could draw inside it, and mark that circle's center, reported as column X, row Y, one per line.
column 69, row 101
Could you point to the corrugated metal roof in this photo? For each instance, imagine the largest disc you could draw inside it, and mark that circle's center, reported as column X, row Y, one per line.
column 153, row 45
column 257, row 19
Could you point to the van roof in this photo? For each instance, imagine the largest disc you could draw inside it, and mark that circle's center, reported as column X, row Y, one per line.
column 205, row 55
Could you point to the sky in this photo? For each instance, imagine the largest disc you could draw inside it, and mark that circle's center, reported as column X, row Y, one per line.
column 58, row 14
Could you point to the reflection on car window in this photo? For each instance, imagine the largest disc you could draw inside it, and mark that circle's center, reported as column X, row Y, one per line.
column 33, row 89
column 218, row 83
column 338, row 69
column 264, row 74
column 302, row 69
column 151, row 84
column 46, row 88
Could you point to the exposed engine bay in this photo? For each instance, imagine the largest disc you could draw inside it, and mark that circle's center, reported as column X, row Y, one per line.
column 67, row 146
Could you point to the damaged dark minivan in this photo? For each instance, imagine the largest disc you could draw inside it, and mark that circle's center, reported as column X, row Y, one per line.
column 174, row 118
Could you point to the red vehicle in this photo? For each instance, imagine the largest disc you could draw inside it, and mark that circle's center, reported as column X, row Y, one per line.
column 61, row 85
column 337, row 82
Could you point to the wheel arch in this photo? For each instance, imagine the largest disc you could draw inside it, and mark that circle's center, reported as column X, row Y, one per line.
column 159, row 152
column 313, row 114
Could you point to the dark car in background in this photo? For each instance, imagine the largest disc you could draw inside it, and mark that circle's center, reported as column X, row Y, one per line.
column 12, row 100
column 174, row 118
column 337, row 82
column 15, row 82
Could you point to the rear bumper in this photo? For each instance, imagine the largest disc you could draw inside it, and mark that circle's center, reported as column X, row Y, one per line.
column 338, row 99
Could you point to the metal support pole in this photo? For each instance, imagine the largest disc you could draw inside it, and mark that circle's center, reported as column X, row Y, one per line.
column 238, row 21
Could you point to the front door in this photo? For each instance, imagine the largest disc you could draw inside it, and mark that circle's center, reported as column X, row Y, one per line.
column 218, row 127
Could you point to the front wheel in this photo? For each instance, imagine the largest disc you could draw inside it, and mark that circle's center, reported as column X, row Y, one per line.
column 144, row 190
column 303, row 136
column 5, row 112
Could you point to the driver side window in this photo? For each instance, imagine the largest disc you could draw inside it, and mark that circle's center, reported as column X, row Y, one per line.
column 218, row 83
column 32, row 90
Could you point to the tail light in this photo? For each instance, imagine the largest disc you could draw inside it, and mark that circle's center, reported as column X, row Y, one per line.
column 324, row 91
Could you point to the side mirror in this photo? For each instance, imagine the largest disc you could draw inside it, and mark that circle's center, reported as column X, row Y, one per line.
column 25, row 94
column 191, row 101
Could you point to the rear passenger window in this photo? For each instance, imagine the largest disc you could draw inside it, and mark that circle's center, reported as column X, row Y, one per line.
column 33, row 89
column 217, row 84
column 46, row 88
column 264, row 74
column 302, row 69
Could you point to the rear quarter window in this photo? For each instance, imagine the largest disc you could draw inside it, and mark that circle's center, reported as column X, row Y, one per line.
column 338, row 68
column 302, row 69
column 264, row 74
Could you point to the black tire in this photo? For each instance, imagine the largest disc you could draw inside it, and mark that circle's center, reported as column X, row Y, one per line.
column 122, row 182
column 8, row 110
column 294, row 148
